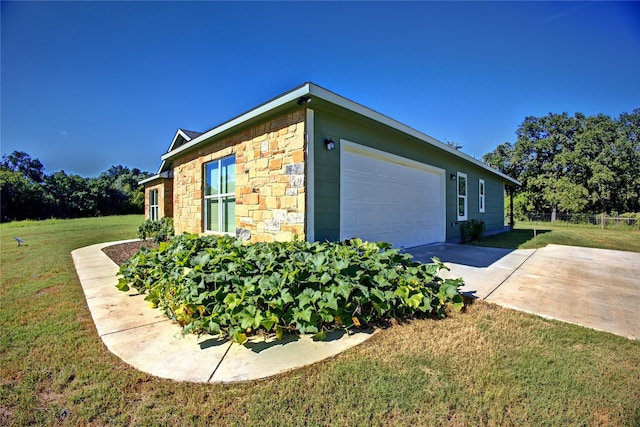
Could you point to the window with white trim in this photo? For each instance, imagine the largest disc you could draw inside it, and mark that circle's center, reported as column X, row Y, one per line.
column 481, row 195
column 220, row 195
column 462, row 196
column 153, row 205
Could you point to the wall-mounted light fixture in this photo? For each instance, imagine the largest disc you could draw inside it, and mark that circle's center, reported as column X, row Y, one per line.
column 453, row 176
column 330, row 144
column 304, row 100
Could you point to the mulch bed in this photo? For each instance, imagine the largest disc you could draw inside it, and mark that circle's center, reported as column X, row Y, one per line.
column 122, row 252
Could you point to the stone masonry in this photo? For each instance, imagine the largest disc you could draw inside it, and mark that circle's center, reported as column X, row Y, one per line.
column 270, row 180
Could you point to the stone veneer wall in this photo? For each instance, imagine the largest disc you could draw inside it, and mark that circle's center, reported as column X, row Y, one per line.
column 165, row 198
column 270, row 180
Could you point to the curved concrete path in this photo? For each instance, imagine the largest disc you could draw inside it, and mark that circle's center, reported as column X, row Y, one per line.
column 596, row 288
column 145, row 339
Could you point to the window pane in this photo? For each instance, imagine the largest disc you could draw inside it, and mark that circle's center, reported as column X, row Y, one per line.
column 482, row 188
column 462, row 186
column 211, row 179
column 461, row 212
column 229, row 214
column 228, row 175
column 212, row 211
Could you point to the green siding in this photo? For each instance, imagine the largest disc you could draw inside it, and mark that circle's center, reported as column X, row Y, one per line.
column 351, row 127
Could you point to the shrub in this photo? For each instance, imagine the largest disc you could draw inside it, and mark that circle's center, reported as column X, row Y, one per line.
column 472, row 230
column 631, row 219
column 161, row 230
column 222, row 286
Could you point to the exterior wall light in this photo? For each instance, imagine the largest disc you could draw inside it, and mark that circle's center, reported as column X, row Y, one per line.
column 453, row 176
column 330, row 144
column 304, row 100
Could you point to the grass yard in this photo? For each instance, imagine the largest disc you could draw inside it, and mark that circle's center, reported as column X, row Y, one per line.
column 531, row 235
column 488, row 366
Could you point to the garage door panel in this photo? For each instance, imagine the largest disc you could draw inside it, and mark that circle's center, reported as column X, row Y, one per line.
column 383, row 198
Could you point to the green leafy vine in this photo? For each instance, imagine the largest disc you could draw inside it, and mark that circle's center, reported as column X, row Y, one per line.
column 223, row 286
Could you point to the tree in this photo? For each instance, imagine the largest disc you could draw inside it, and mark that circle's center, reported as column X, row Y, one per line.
column 20, row 197
column 629, row 160
column 71, row 195
column 26, row 192
column 21, row 192
column 21, row 162
column 121, row 193
column 502, row 159
column 537, row 156
column 574, row 163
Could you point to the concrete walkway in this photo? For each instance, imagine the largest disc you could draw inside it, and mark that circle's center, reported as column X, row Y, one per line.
column 145, row 339
column 596, row 288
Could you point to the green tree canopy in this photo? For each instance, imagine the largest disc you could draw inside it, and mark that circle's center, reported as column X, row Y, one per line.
column 574, row 163
column 27, row 192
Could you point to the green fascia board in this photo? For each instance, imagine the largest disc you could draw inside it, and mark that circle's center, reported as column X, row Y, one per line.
column 358, row 109
column 310, row 94
column 285, row 101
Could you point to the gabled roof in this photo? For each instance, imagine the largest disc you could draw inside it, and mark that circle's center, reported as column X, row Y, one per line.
column 191, row 133
column 183, row 136
column 303, row 94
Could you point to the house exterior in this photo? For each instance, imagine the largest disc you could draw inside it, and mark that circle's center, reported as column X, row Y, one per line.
column 313, row 164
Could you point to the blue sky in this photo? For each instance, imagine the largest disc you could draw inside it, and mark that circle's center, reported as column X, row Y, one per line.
column 87, row 85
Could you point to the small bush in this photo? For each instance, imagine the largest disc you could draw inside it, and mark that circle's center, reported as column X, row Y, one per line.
column 472, row 230
column 222, row 286
column 160, row 230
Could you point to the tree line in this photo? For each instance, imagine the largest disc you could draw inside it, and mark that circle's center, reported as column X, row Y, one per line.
column 27, row 192
column 574, row 164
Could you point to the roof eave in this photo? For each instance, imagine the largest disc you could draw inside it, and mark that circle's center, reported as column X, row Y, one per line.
column 264, row 108
column 381, row 118
column 331, row 97
column 159, row 175
column 179, row 133
column 146, row 180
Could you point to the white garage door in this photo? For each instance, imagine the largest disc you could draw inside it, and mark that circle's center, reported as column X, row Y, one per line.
column 388, row 198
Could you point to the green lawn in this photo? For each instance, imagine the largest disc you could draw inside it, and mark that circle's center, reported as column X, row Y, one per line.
column 530, row 235
column 487, row 366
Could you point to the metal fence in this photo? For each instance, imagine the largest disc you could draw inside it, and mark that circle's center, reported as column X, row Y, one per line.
column 629, row 220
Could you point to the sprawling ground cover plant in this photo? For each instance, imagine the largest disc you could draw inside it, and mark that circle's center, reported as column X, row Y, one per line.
column 222, row 286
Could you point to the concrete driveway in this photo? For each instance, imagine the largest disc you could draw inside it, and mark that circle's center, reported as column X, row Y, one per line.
column 596, row 288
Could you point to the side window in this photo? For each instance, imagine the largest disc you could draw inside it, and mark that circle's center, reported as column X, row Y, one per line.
column 462, row 196
column 220, row 195
column 481, row 195
column 153, row 205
